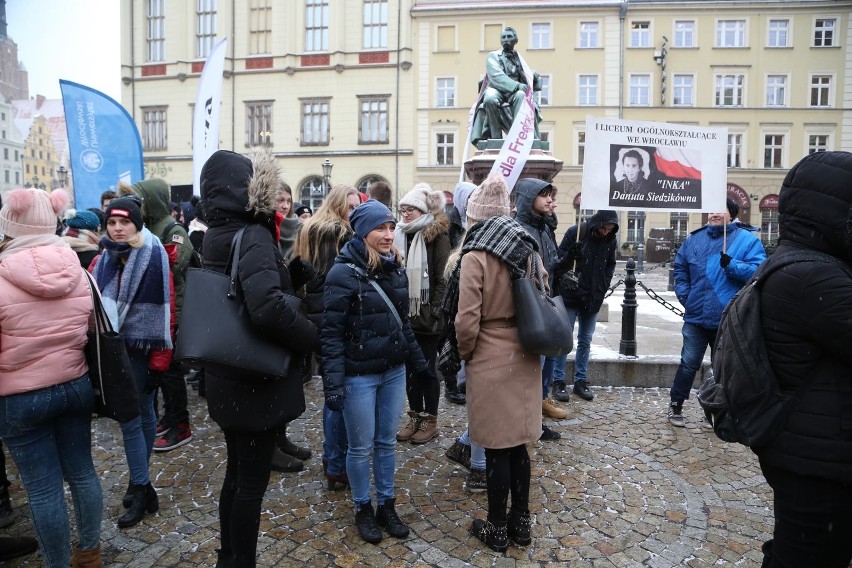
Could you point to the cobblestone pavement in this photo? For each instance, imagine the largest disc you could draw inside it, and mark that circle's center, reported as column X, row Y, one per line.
column 621, row 488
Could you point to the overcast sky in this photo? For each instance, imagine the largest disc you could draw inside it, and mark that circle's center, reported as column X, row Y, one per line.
column 75, row 40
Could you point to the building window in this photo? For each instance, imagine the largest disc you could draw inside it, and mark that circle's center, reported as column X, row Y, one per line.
column 5, row 153
column 729, row 90
column 769, row 225
column 16, row 155
column 824, row 32
column 315, row 123
column 445, row 38
column 730, row 33
column 682, row 90
column 679, row 222
column 312, row 192
column 156, row 36
column 820, row 90
column 445, row 97
column 684, row 33
column 640, row 34
column 589, row 35
column 154, row 128
column 735, row 150
column 779, row 33
column 640, row 90
column 635, row 226
column 375, row 24
column 817, row 143
column 6, row 172
column 205, row 35
column 373, row 126
column 316, row 25
column 581, row 147
column 544, row 93
column 588, row 90
column 18, row 178
column 28, row 169
column 773, row 150
column 364, row 184
column 540, row 36
column 260, row 26
column 259, row 123
column 444, row 149
column 776, row 90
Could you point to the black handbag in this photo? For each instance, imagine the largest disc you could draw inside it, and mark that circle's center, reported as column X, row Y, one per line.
column 216, row 332
column 109, row 366
column 542, row 320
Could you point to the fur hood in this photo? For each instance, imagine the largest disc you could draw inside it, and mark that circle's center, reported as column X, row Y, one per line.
column 237, row 187
column 436, row 228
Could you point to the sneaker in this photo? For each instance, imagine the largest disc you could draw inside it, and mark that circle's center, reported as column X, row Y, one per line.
column 550, row 410
column 459, row 453
column 454, row 395
column 174, row 438
column 162, row 429
column 476, row 481
column 548, row 434
column 707, row 423
column 560, row 393
column 676, row 414
column 581, row 389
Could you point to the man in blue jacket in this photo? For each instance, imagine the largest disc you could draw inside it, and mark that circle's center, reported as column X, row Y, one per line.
column 712, row 264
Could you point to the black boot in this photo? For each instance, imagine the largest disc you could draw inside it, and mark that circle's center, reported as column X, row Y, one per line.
column 223, row 560
column 365, row 520
column 292, row 449
column 14, row 546
column 493, row 536
column 7, row 516
column 386, row 517
column 518, row 527
column 128, row 495
column 144, row 501
column 285, row 462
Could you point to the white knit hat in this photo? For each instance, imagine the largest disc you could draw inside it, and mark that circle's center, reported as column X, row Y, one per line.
column 31, row 211
column 424, row 198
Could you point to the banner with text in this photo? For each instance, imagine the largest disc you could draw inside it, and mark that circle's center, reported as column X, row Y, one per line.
column 104, row 146
column 208, row 109
column 654, row 165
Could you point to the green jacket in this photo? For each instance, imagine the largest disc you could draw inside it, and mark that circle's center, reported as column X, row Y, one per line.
column 156, row 215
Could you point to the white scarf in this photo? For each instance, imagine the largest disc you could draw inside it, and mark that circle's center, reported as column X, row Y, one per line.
column 416, row 261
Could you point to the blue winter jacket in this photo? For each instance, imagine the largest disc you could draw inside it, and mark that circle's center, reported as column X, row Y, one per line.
column 701, row 284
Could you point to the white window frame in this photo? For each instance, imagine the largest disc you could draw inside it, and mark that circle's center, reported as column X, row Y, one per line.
column 544, row 95
column 679, row 224
column 541, row 35
column 155, row 128
column 772, row 90
column 822, row 31
column 579, row 146
column 588, row 37
column 315, row 121
column 588, row 88
column 827, row 89
column 769, row 224
column 783, row 150
column 810, row 133
column 773, row 35
column 737, row 27
column 316, row 25
column 738, row 91
column 260, row 27
column 205, row 27
column 373, row 119
column 635, row 87
column 687, row 88
column 375, row 24
column 442, row 147
column 155, row 41
column 640, row 37
column 735, row 149
column 680, row 36
column 258, row 124
column 445, row 92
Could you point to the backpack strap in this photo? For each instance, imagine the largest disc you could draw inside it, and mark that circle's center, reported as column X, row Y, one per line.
column 381, row 292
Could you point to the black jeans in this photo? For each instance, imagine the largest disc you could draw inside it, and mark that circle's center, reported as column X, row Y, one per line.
column 246, row 478
column 507, row 471
column 174, row 396
column 813, row 524
column 423, row 396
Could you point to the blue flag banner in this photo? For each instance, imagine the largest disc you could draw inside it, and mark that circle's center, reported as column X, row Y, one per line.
column 103, row 143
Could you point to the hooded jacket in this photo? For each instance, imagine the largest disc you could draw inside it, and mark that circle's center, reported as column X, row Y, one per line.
column 240, row 192
column 156, row 214
column 807, row 320
column 538, row 226
column 595, row 270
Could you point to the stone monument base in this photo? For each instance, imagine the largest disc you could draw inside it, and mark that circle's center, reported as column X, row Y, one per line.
column 540, row 164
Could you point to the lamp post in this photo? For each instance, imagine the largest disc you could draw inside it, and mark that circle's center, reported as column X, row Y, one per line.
column 35, row 182
column 326, row 173
column 63, row 176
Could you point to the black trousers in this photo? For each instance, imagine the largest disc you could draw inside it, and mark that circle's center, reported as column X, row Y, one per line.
column 508, row 472
column 174, row 396
column 423, row 396
column 813, row 521
column 246, row 478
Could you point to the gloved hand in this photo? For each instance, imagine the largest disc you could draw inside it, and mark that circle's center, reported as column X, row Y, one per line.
column 154, row 380
column 572, row 255
column 335, row 402
column 426, row 374
column 724, row 260
column 301, row 272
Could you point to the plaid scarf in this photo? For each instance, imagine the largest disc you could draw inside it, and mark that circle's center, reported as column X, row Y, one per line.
column 506, row 239
column 134, row 284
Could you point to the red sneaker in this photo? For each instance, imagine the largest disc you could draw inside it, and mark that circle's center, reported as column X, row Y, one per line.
column 174, row 438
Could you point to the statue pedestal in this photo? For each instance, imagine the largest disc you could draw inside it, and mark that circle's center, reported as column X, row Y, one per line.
column 540, row 164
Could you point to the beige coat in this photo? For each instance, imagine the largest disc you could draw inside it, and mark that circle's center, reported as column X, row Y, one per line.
column 503, row 381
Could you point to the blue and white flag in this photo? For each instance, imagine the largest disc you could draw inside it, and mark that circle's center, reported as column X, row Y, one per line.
column 208, row 107
column 104, row 146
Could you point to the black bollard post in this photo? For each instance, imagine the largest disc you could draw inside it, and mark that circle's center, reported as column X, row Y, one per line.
column 628, row 313
column 640, row 252
column 671, row 270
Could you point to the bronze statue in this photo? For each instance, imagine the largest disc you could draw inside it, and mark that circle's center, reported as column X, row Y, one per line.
column 505, row 91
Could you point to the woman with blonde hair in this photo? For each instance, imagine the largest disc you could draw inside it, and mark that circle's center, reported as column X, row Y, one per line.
column 319, row 242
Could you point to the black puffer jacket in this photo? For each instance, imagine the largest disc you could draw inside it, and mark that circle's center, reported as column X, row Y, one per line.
column 538, row 226
column 238, row 193
column 327, row 243
column 807, row 319
column 595, row 270
column 360, row 336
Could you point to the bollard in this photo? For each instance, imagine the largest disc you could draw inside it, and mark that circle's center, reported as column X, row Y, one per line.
column 628, row 313
column 671, row 286
column 640, row 252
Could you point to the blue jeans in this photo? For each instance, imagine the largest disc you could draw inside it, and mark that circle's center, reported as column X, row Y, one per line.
column 477, row 453
column 334, row 444
column 49, row 435
column 695, row 342
column 140, row 432
column 371, row 412
column 553, row 368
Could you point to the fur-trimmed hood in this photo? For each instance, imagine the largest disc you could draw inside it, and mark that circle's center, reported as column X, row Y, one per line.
column 237, row 187
column 436, row 228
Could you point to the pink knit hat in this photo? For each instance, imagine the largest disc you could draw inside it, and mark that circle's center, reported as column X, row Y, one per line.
column 31, row 211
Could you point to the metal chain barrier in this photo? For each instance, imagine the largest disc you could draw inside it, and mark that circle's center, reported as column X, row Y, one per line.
column 613, row 287
column 654, row 296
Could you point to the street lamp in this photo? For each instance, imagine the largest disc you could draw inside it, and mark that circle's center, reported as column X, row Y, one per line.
column 326, row 172
column 63, row 176
column 35, row 182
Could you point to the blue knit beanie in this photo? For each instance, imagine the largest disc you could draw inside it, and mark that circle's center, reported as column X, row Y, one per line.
column 368, row 216
column 82, row 219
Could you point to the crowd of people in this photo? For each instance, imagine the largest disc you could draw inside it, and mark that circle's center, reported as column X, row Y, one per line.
column 393, row 304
